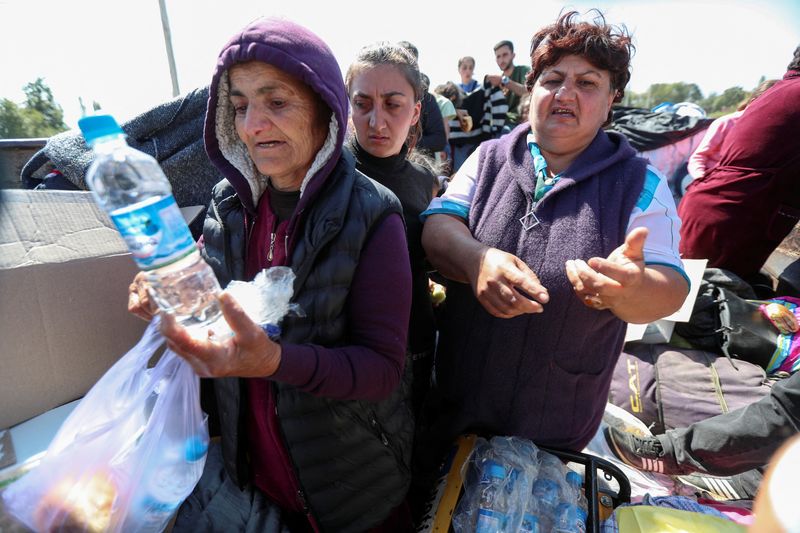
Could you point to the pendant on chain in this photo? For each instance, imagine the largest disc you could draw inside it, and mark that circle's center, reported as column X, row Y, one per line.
column 529, row 220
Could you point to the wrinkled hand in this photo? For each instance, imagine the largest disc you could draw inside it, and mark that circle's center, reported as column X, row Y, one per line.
column 248, row 353
column 605, row 283
column 139, row 301
column 498, row 281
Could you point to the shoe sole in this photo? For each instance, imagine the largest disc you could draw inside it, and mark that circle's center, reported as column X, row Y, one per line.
column 716, row 488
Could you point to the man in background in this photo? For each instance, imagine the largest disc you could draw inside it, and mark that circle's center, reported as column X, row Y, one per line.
column 512, row 80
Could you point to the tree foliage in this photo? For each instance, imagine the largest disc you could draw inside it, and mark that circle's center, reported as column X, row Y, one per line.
column 39, row 116
column 714, row 104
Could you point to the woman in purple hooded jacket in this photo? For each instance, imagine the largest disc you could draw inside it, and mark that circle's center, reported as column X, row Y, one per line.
column 316, row 430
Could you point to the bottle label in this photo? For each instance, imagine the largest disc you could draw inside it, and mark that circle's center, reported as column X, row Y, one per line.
column 490, row 521
column 530, row 524
column 154, row 231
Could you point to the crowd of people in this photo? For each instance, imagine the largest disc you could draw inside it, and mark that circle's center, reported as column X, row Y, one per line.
column 551, row 236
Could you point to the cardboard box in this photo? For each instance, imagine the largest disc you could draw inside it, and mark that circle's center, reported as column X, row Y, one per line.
column 661, row 330
column 64, row 276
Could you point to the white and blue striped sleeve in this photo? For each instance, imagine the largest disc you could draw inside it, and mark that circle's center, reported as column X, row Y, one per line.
column 655, row 210
column 457, row 198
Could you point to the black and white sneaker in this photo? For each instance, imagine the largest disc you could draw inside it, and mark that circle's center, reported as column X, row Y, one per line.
column 643, row 453
column 724, row 488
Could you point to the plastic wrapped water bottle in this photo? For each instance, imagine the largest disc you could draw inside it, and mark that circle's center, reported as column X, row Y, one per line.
column 575, row 482
column 493, row 508
column 134, row 191
column 530, row 519
column 569, row 518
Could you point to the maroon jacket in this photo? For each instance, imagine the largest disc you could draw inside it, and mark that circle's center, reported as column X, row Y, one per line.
column 737, row 213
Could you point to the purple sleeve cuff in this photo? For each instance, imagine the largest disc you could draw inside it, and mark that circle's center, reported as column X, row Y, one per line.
column 298, row 363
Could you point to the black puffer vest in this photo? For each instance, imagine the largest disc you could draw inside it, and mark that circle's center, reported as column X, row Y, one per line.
column 351, row 457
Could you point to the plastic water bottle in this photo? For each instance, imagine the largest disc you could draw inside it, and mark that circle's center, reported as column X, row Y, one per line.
column 492, row 510
column 530, row 519
column 575, row 482
column 547, row 493
column 133, row 189
column 569, row 518
column 517, row 489
column 168, row 484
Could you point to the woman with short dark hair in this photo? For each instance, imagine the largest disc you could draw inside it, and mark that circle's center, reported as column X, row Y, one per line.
column 555, row 235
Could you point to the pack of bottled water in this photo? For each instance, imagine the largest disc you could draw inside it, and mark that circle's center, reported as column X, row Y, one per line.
column 512, row 486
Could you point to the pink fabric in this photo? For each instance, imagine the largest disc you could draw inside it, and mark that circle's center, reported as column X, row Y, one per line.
column 707, row 154
column 739, row 515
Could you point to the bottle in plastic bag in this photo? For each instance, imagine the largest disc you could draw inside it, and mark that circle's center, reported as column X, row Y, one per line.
column 169, row 483
column 569, row 518
column 530, row 519
column 132, row 188
column 492, row 508
column 575, row 483
column 548, row 489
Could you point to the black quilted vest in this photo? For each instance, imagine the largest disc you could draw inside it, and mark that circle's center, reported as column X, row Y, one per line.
column 351, row 457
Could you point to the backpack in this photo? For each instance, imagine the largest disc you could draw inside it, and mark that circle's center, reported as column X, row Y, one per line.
column 667, row 387
column 725, row 321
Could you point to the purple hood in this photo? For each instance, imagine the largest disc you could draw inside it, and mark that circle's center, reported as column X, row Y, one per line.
column 297, row 51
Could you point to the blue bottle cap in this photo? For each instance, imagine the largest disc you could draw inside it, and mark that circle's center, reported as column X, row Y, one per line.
column 195, row 448
column 494, row 470
column 574, row 479
column 96, row 126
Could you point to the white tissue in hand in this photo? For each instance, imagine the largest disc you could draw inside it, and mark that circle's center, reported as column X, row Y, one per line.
column 266, row 298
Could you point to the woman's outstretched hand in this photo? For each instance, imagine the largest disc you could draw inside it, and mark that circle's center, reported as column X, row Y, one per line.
column 506, row 286
column 608, row 283
column 249, row 352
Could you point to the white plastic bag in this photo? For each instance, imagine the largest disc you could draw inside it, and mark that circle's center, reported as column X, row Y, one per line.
column 127, row 456
column 135, row 447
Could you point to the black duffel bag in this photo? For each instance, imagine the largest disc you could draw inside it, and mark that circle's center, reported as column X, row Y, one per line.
column 726, row 322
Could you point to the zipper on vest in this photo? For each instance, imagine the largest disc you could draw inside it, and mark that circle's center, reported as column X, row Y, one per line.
column 302, row 497
column 270, row 254
column 249, row 226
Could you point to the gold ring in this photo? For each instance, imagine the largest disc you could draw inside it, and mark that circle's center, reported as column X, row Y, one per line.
column 593, row 300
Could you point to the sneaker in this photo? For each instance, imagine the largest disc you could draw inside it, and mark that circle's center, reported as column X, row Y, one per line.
column 643, row 453
column 738, row 487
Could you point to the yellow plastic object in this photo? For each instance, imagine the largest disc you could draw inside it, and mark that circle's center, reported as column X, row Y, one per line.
column 649, row 519
column 449, row 488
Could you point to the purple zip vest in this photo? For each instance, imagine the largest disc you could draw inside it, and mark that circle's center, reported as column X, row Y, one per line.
column 546, row 376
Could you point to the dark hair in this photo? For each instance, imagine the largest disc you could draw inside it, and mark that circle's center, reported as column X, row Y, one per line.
column 385, row 53
column 605, row 46
column 426, row 82
column 450, row 91
column 758, row 91
column 795, row 64
column 410, row 47
column 504, row 43
column 464, row 59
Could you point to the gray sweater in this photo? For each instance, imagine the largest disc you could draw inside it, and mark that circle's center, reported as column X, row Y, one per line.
column 171, row 132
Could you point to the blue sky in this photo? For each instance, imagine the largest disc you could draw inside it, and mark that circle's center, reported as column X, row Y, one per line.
column 112, row 51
